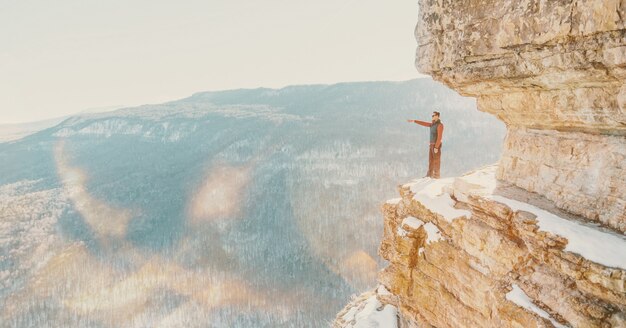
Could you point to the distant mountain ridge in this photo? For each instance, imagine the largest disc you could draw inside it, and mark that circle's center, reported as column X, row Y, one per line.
column 16, row 131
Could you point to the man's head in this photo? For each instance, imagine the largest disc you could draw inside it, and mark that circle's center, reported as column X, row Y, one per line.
column 435, row 116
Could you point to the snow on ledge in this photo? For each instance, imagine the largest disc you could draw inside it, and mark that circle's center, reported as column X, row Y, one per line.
column 393, row 201
column 480, row 182
column 517, row 296
column 431, row 193
column 382, row 291
column 434, row 235
column 606, row 248
column 589, row 241
column 411, row 223
column 432, row 232
column 372, row 314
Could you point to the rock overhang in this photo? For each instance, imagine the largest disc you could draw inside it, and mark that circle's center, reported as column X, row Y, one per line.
column 555, row 73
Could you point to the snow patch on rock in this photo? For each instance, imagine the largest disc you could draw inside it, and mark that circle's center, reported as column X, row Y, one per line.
column 371, row 314
column 587, row 240
column 603, row 247
column 432, row 193
column 393, row 201
column 517, row 296
column 434, row 235
column 410, row 223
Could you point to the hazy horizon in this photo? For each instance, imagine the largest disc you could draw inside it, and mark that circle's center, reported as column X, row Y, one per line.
column 60, row 59
column 116, row 107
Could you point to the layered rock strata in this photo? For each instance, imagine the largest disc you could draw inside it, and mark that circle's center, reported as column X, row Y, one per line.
column 554, row 72
column 537, row 241
column 477, row 252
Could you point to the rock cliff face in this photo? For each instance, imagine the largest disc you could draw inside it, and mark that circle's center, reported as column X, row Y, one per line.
column 473, row 251
column 537, row 240
column 554, row 72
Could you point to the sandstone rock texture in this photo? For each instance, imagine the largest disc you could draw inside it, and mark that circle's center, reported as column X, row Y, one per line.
column 554, row 71
column 475, row 251
column 462, row 278
column 537, row 240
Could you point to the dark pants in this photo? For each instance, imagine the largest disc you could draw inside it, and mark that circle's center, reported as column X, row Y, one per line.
column 434, row 161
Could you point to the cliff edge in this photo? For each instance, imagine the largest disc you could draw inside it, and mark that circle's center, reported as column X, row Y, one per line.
column 555, row 73
column 538, row 239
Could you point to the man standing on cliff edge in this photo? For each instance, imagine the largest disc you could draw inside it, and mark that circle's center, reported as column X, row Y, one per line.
column 434, row 153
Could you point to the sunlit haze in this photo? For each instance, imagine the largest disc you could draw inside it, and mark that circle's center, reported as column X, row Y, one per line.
column 63, row 57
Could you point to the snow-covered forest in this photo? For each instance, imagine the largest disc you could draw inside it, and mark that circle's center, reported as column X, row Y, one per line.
column 241, row 208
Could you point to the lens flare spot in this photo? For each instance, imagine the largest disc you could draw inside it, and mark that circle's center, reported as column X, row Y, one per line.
column 105, row 220
column 359, row 268
column 220, row 194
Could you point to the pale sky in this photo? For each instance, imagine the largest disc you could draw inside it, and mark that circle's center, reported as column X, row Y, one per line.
column 66, row 56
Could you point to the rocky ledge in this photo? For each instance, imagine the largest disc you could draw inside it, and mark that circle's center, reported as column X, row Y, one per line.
column 474, row 251
column 555, row 73
column 538, row 241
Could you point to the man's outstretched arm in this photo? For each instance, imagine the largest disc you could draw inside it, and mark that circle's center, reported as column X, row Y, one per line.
column 439, row 136
column 422, row 123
